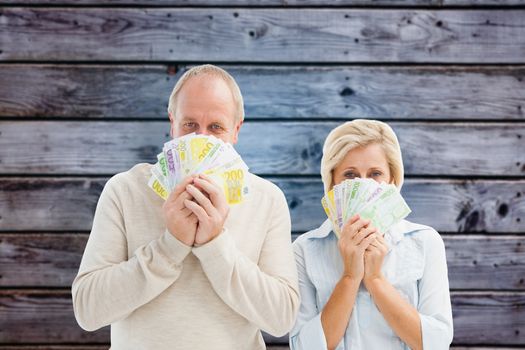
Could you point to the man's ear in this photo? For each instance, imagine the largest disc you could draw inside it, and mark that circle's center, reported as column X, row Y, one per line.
column 236, row 132
column 172, row 124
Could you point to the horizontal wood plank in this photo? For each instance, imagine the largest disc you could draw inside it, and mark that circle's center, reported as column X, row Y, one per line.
column 40, row 260
column 68, row 204
column 93, row 148
column 486, row 262
column 216, row 3
column 446, row 205
column 52, row 260
column 96, row 91
column 262, row 35
column 273, row 3
column 47, row 317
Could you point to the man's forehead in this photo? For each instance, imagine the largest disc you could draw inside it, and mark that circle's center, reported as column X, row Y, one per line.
column 207, row 119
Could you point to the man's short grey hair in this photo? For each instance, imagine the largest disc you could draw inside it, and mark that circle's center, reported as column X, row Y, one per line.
column 214, row 71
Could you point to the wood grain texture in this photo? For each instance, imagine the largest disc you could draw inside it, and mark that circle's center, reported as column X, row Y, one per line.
column 477, row 316
column 273, row 3
column 68, row 204
column 447, row 205
column 142, row 91
column 40, row 260
column 47, row 317
column 52, row 260
column 85, row 91
column 250, row 3
column 486, row 262
column 42, row 317
column 73, row 147
column 262, row 35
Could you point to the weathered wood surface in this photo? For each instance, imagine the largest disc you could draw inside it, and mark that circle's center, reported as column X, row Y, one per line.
column 40, row 260
column 486, row 262
column 76, row 147
column 446, row 205
column 477, row 317
column 52, row 260
column 142, row 91
column 262, row 35
column 47, row 317
column 68, row 204
column 273, row 3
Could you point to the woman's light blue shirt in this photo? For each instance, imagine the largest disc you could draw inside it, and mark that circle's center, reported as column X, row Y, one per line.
column 415, row 265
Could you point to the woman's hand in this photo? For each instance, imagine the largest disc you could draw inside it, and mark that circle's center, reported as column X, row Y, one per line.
column 356, row 236
column 374, row 256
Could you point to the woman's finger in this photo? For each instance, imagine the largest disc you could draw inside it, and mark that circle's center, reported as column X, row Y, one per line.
column 363, row 233
column 357, row 226
column 366, row 241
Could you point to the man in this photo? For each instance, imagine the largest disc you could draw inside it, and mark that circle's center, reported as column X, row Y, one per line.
column 190, row 272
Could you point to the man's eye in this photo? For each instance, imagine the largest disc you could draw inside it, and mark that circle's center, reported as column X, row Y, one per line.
column 216, row 127
column 189, row 125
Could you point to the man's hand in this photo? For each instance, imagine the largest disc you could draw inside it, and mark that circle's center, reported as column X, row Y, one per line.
column 210, row 207
column 180, row 221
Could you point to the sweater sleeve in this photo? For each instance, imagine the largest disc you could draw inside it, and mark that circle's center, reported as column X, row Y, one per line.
column 110, row 285
column 265, row 293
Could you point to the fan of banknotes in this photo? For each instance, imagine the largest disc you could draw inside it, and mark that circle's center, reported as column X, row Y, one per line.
column 200, row 154
column 379, row 202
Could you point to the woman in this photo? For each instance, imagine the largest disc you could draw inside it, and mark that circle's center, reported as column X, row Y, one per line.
column 370, row 290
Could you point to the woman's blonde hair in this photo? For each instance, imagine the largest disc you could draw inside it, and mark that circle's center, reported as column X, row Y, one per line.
column 211, row 70
column 357, row 133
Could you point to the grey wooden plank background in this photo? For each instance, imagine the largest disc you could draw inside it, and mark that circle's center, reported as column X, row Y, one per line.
column 491, row 318
column 274, row 3
column 95, row 91
column 36, row 147
column 83, row 94
column 67, row 204
column 263, row 35
column 51, row 260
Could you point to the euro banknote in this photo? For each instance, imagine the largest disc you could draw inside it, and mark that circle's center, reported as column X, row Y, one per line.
column 381, row 203
column 200, row 154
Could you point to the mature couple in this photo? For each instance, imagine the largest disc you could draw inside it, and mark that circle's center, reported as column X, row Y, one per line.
column 193, row 273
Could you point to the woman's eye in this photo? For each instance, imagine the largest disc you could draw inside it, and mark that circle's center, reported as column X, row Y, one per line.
column 350, row 175
column 376, row 174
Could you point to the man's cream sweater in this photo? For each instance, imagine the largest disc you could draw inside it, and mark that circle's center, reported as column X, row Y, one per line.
column 158, row 293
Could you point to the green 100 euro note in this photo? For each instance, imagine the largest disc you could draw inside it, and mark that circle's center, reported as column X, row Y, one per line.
column 379, row 202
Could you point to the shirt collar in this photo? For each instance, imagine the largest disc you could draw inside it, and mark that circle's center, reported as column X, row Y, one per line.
column 396, row 233
column 323, row 230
